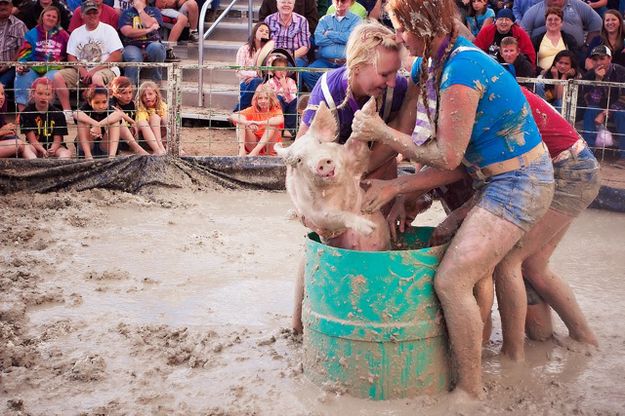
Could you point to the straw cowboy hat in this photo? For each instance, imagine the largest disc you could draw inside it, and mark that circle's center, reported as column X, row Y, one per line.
column 268, row 53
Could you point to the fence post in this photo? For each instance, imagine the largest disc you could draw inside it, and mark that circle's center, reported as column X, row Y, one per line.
column 571, row 90
column 174, row 104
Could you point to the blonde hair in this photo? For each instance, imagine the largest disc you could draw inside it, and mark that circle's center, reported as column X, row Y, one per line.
column 362, row 49
column 142, row 89
column 273, row 98
column 427, row 19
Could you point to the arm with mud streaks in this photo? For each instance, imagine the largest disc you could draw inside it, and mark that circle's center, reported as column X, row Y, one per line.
column 404, row 121
column 378, row 193
column 456, row 116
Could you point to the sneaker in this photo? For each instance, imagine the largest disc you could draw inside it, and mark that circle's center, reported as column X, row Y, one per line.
column 193, row 36
column 170, row 56
column 210, row 15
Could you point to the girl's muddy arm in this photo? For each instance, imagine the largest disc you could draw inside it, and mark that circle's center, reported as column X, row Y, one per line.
column 458, row 105
column 379, row 192
column 403, row 121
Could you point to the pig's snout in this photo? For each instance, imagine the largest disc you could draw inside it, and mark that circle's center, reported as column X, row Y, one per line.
column 325, row 167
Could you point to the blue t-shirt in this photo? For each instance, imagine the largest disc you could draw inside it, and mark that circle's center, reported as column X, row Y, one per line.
column 504, row 126
column 475, row 23
column 337, row 84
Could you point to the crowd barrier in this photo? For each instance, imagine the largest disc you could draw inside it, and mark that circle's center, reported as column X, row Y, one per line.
column 179, row 86
column 213, row 145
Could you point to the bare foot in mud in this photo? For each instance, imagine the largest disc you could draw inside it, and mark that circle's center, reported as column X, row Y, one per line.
column 574, row 345
column 516, row 356
column 461, row 402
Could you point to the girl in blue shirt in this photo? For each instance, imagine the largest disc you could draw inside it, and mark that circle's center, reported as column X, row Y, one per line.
column 478, row 117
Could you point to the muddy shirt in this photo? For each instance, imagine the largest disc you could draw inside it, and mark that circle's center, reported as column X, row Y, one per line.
column 504, row 126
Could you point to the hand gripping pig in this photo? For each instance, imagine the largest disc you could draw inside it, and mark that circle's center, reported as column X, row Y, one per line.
column 323, row 181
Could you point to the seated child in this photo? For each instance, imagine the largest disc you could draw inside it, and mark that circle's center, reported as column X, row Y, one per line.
column 511, row 54
column 122, row 98
column 98, row 125
column 259, row 126
column 42, row 123
column 564, row 67
column 286, row 90
column 10, row 144
column 151, row 116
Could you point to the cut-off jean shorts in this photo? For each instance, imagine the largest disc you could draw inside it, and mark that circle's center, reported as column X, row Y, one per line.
column 577, row 183
column 520, row 196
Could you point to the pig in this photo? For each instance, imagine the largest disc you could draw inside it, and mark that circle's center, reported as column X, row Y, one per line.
column 323, row 182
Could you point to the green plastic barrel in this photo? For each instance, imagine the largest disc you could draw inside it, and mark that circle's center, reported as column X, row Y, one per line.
column 373, row 326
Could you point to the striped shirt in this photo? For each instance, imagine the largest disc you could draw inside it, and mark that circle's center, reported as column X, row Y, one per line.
column 423, row 129
column 291, row 37
column 12, row 33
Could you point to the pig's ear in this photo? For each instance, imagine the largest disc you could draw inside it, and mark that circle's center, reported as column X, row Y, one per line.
column 324, row 125
column 283, row 152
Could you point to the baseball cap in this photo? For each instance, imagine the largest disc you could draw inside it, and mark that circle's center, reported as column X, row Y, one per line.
column 5, row 1
column 601, row 50
column 505, row 13
column 88, row 5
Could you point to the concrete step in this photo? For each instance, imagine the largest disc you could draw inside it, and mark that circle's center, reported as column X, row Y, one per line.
column 221, row 97
column 211, row 76
column 214, row 50
column 230, row 31
column 204, row 113
column 240, row 11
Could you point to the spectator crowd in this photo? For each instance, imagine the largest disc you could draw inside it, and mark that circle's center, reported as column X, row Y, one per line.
column 549, row 39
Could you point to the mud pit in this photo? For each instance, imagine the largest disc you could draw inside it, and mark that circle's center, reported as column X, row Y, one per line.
column 178, row 303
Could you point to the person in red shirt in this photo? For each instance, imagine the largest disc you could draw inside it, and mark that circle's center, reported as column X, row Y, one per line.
column 489, row 38
column 108, row 15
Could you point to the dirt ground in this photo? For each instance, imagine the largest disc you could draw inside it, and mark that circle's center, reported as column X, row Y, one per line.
column 177, row 302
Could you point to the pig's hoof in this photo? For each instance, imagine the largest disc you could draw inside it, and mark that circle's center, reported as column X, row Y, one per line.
column 363, row 226
column 292, row 215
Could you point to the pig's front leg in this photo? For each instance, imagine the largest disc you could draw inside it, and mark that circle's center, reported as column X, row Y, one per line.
column 357, row 155
column 336, row 220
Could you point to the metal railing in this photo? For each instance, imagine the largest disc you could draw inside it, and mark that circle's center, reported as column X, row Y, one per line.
column 222, row 16
column 173, row 91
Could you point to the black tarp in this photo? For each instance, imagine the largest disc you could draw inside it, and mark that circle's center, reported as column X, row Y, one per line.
column 132, row 173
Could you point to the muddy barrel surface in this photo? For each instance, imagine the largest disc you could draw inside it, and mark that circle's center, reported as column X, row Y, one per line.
column 372, row 324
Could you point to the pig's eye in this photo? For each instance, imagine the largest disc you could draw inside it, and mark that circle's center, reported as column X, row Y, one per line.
column 299, row 160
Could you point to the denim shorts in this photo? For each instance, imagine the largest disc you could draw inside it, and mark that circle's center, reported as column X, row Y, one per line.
column 520, row 196
column 577, row 183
